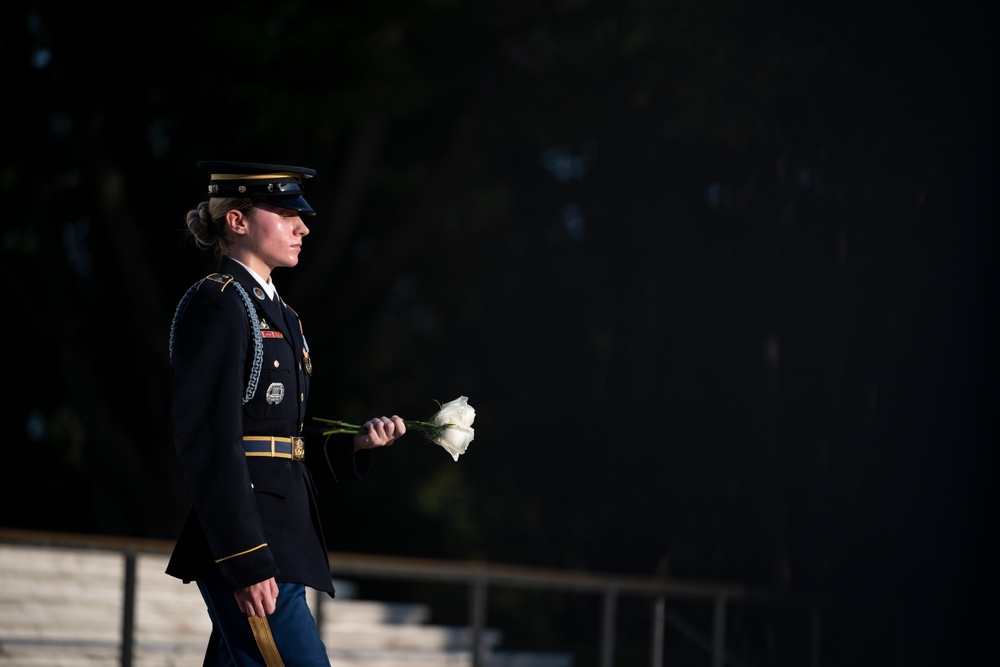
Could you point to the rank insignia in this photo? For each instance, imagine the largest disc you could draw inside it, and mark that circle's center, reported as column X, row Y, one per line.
column 275, row 393
column 221, row 278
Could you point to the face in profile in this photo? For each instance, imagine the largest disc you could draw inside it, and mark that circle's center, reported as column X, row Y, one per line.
column 274, row 235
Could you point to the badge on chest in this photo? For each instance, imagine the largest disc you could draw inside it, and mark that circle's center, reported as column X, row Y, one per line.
column 275, row 393
column 267, row 332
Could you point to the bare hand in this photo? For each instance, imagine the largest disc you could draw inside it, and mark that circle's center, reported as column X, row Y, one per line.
column 381, row 432
column 259, row 599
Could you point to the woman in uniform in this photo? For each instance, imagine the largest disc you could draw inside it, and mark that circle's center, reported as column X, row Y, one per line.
column 240, row 374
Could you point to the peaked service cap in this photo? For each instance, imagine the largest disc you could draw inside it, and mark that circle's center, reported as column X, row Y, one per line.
column 276, row 184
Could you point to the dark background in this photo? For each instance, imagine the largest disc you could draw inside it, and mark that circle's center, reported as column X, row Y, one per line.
column 716, row 275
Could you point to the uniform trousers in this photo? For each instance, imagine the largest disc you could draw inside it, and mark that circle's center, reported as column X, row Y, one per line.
column 233, row 643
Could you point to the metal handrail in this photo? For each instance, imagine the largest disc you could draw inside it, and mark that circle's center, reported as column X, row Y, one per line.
column 477, row 576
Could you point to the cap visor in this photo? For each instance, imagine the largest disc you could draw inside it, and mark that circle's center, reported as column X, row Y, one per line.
column 292, row 203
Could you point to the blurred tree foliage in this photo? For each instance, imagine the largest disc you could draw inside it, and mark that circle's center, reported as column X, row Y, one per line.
column 715, row 275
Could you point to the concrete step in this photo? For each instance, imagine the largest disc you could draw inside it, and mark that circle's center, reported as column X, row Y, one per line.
column 403, row 637
column 63, row 608
column 93, row 654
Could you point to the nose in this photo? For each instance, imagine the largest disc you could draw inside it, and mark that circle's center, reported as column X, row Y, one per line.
column 302, row 229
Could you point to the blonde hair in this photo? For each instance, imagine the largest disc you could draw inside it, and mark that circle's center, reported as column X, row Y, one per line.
column 207, row 223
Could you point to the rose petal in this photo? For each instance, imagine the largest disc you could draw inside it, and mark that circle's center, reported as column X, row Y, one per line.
column 456, row 439
column 456, row 413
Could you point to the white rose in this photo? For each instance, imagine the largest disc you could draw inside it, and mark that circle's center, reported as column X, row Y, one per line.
column 456, row 417
column 456, row 413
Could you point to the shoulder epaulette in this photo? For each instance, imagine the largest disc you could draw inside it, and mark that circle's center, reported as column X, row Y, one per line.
column 222, row 280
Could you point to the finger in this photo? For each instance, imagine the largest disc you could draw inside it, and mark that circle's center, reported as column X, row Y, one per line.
column 388, row 430
column 379, row 432
column 241, row 603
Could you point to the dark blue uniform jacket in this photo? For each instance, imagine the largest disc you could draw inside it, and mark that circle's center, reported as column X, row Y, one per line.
column 252, row 517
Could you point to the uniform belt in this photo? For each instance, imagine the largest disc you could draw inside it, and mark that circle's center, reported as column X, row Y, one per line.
column 273, row 446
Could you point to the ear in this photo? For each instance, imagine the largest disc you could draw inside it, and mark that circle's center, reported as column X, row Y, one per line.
column 236, row 221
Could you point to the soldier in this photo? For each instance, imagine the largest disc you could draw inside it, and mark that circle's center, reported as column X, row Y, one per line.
column 240, row 373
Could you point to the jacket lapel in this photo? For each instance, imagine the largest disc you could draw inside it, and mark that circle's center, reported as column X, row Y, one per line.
column 267, row 310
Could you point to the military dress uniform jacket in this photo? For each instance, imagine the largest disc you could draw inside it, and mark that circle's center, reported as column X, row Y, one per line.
column 252, row 516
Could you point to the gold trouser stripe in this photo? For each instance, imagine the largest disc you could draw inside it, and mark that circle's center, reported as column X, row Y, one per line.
column 265, row 641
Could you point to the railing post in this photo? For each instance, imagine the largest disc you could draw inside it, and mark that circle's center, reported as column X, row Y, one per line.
column 659, row 619
column 719, row 630
column 608, row 626
column 814, row 637
column 128, row 609
column 477, row 615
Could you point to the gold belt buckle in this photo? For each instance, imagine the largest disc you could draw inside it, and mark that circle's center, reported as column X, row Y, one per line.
column 298, row 449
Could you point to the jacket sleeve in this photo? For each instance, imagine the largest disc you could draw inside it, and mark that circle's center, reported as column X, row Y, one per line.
column 208, row 364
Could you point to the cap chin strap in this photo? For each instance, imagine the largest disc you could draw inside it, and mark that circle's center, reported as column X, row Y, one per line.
column 247, row 177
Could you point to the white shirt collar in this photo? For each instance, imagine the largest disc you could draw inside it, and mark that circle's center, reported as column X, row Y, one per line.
column 267, row 285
